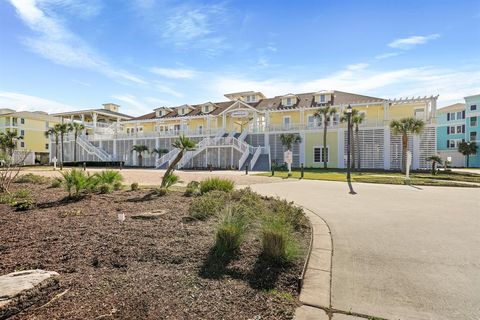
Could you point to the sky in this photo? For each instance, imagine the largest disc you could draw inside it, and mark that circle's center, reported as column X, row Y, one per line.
column 59, row 55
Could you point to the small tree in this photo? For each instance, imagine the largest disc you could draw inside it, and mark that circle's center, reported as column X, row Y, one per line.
column 53, row 132
column 435, row 159
column 8, row 141
column 183, row 144
column 325, row 113
column 62, row 129
column 354, row 115
column 404, row 127
column 76, row 128
column 159, row 151
column 357, row 119
column 467, row 149
column 140, row 149
column 289, row 139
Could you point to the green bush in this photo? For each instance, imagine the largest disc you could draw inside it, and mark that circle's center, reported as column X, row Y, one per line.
column 105, row 188
column 250, row 201
column 77, row 182
column 24, row 204
column 32, row 178
column 170, row 180
column 161, row 191
column 6, row 198
column 292, row 214
column 192, row 188
column 56, row 183
column 134, row 186
column 22, row 194
column 108, row 177
column 278, row 242
column 117, row 185
column 208, row 204
column 216, row 183
column 230, row 231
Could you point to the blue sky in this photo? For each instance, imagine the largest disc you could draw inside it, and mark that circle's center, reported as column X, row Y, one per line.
column 57, row 55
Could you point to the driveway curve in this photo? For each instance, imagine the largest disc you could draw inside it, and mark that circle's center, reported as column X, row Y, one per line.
column 399, row 252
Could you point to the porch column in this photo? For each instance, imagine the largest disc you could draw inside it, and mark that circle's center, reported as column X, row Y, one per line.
column 386, row 111
column 224, row 123
column 94, row 119
column 255, row 122
column 209, row 124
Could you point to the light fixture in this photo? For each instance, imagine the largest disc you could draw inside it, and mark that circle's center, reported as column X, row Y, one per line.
column 349, row 109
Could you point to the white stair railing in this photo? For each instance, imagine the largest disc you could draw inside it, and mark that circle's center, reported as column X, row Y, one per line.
column 166, row 158
column 243, row 158
column 243, row 135
column 256, row 155
column 92, row 149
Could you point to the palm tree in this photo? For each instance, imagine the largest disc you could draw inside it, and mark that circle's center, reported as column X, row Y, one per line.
column 357, row 119
column 289, row 139
column 8, row 141
column 53, row 132
column 355, row 114
column 404, row 127
column 140, row 149
column 325, row 113
column 62, row 129
column 183, row 144
column 434, row 159
column 159, row 151
column 467, row 149
column 76, row 128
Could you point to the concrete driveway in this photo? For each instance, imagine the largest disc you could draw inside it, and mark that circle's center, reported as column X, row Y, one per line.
column 399, row 252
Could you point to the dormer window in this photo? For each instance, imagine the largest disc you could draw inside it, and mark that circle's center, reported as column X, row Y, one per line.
column 207, row 109
column 289, row 101
column 251, row 98
column 322, row 98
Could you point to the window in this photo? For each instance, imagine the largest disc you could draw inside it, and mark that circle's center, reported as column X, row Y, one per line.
column 22, row 121
column 459, row 115
column 289, row 101
column 451, row 130
column 459, row 129
column 473, row 136
column 46, row 146
column 322, row 98
column 319, row 154
column 22, row 144
column 14, row 121
column 200, row 129
column 451, row 116
column 311, row 121
column 22, row 133
column 473, row 121
column 419, row 113
column 252, row 98
column 286, row 122
column 47, row 125
column 336, row 117
column 473, row 107
column 206, row 109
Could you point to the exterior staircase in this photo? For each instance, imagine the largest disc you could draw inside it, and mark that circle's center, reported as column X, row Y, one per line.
column 90, row 148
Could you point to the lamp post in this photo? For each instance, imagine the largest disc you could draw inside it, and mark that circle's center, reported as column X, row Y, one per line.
column 348, row 111
column 349, row 120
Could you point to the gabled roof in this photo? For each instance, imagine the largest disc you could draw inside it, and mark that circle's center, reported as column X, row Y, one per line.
column 100, row 111
column 456, row 106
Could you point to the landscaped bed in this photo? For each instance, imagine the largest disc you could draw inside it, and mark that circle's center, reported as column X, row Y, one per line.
column 163, row 267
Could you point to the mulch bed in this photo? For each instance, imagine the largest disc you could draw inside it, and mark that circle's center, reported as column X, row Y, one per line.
column 140, row 269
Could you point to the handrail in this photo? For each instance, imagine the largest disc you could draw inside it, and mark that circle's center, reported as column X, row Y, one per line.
column 256, row 155
column 243, row 135
column 166, row 158
column 243, row 158
column 92, row 149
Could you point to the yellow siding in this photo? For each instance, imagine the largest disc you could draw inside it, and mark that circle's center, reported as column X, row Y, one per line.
column 316, row 140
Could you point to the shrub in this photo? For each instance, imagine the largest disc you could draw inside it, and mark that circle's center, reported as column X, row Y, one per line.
column 278, row 242
column 134, row 186
column 76, row 182
column 32, row 178
column 216, row 183
column 56, row 183
column 192, row 188
column 161, row 191
column 208, row 204
column 170, row 180
column 252, row 202
column 108, row 176
column 230, row 232
column 22, row 194
column 117, row 185
column 292, row 214
column 105, row 188
column 24, row 204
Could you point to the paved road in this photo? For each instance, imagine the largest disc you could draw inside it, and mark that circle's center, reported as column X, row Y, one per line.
column 399, row 252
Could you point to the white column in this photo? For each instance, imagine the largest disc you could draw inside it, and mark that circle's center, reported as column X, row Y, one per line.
column 340, row 146
column 255, row 121
column 224, row 121
column 386, row 148
column 386, row 111
column 209, row 124
column 115, row 157
column 94, row 119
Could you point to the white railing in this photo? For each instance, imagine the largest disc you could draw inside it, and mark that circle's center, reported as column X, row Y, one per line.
column 199, row 147
column 256, row 155
column 232, row 133
column 243, row 158
column 92, row 149
column 168, row 157
column 243, row 135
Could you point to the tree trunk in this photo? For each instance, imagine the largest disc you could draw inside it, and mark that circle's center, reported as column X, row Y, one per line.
column 404, row 152
column 140, row 160
column 358, row 147
column 468, row 160
column 56, row 147
column 352, row 147
column 433, row 168
column 325, row 163
column 171, row 168
column 62, row 153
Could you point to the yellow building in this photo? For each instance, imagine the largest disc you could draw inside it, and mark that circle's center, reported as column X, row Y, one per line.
column 31, row 126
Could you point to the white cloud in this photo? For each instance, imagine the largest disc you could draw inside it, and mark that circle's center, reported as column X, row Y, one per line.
column 55, row 42
column 23, row 102
column 387, row 55
column 133, row 105
column 451, row 84
column 166, row 89
column 408, row 43
column 174, row 73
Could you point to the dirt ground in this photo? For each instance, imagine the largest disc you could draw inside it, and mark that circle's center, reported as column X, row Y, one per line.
column 151, row 177
column 139, row 269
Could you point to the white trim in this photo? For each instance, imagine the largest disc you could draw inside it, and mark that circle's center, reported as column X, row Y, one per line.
column 321, row 154
column 237, row 103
